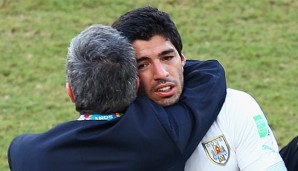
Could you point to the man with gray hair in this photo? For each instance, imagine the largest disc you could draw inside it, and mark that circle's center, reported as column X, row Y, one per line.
column 101, row 71
column 115, row 130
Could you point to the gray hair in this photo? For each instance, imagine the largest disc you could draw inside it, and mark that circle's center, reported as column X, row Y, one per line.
column 101, row 69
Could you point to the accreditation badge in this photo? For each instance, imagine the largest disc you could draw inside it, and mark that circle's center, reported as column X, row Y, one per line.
column 218, row 150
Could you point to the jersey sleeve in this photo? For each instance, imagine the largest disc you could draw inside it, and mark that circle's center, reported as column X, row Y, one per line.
column 255, row 145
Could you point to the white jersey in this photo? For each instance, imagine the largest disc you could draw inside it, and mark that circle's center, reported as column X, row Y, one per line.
column 239, row 139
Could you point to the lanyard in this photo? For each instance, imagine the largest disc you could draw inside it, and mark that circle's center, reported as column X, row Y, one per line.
column 99, row 117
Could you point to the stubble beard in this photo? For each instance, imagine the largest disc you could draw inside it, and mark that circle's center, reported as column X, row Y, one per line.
column 168, row 100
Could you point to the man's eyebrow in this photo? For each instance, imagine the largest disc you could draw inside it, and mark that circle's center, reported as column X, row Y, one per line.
column 143, row 58
column 166, row 52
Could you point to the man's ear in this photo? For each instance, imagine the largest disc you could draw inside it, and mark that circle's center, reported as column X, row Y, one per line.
column 70, row 92
column 183, row 59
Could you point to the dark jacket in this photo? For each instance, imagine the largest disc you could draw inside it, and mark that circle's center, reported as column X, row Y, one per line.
column 289, row 154
column 147, row 137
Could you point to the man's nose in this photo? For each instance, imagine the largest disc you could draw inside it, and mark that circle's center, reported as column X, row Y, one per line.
column 160, row 71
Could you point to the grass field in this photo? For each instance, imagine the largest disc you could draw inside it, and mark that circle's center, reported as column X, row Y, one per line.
column 255, row 40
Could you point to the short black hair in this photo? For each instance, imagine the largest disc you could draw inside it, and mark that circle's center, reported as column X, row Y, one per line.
column 144, row 23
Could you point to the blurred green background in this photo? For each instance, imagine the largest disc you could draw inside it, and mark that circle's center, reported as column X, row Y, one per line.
column 255, row 40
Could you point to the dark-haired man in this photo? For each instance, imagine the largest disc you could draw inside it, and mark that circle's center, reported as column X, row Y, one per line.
column 240, row 138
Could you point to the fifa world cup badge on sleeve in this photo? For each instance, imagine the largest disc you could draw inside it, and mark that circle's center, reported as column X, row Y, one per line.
column 262, row 126
column 218, row 150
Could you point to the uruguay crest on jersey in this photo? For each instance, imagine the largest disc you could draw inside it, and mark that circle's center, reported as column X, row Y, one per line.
column 218, row 150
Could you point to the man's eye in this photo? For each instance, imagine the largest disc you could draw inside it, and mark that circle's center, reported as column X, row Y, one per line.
column 142, row 65
column 167, row 58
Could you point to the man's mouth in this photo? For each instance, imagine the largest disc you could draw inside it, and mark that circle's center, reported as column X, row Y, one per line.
column 164, row 89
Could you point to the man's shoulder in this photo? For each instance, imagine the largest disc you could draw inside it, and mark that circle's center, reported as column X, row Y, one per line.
column 29, row 139
column 238, row 99
column 21, row 140
column 20, row 147
column 239, row 112
column 26, row 149
column 236, row 94
column 235, row 104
